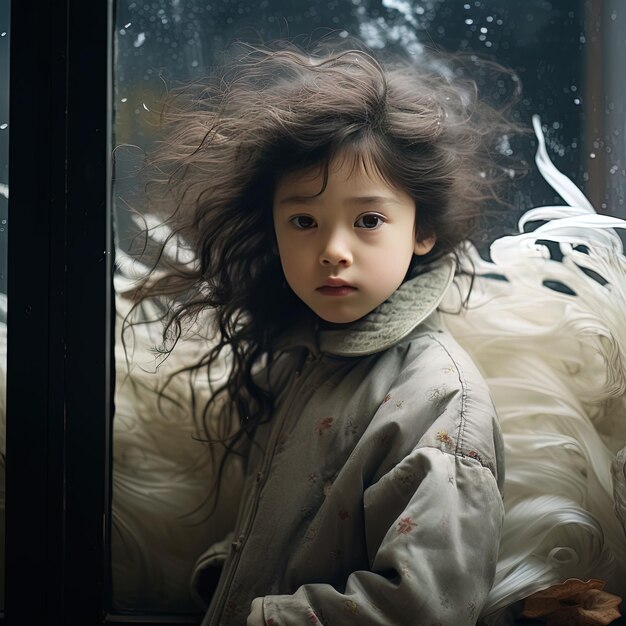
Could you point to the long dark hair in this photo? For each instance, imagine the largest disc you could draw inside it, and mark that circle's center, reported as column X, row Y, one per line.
column 274, row 109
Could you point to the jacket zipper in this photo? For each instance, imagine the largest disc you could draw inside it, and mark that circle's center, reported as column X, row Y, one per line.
column 261, row 478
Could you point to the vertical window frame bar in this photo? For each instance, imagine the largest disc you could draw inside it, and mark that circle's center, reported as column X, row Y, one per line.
column 59, row 366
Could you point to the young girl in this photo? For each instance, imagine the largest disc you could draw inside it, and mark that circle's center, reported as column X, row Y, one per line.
column 323, row 196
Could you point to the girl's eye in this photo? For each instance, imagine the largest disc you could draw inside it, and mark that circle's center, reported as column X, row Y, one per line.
column 369, row 221
column 303, row 222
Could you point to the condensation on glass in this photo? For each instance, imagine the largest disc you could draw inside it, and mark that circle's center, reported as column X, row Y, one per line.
column 554, row 48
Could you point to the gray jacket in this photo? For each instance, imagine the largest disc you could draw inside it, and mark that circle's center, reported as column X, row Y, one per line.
column 373, row 495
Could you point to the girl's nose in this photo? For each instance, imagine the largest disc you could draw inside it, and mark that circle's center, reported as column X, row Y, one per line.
column 336, row 251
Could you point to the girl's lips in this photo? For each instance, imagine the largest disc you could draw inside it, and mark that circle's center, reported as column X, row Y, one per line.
column 342, row 290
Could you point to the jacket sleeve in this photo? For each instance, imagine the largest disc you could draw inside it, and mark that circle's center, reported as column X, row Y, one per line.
column 432, row 528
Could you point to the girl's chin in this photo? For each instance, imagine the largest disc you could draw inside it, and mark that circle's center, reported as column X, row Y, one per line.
column 328, row 325
column 338, row 321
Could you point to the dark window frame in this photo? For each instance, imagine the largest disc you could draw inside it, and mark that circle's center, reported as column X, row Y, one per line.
column 58, row 404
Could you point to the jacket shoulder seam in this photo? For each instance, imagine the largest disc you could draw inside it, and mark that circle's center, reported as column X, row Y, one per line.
column 460, row 439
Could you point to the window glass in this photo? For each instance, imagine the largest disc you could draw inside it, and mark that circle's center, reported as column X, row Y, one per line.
column 555, row 49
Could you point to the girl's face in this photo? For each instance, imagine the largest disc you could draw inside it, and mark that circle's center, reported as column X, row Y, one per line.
column 346, row 250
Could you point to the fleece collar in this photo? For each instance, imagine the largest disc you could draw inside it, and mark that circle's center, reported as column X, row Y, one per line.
column 387, row 324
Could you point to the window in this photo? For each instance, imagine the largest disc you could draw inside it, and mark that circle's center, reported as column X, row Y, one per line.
column 59, row 322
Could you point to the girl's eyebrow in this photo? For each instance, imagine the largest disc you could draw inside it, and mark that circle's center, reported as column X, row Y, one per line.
column 354, row 200
column 374, row 200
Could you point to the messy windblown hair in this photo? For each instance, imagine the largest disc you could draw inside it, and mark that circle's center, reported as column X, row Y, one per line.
column 273, row 110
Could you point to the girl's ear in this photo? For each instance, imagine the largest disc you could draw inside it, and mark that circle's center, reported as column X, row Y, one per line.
column 424, row 246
